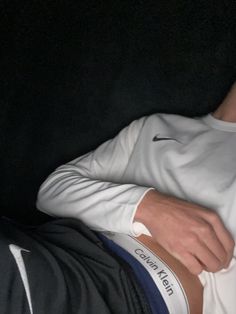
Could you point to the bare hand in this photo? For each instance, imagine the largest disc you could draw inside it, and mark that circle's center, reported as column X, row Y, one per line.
column 193, row 234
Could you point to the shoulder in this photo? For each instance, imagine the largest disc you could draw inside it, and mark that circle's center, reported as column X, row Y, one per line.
column 160, row 122
column 164, row 118
column 170, row 120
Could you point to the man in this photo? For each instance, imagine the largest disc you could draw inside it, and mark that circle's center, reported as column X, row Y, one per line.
column 167, row 176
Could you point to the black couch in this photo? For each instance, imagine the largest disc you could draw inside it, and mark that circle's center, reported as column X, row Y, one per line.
column 73, row 73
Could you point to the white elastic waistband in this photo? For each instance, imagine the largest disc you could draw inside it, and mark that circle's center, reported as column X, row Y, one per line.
column 165, row 279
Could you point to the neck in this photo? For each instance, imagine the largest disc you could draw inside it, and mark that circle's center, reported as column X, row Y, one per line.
column 227, row 109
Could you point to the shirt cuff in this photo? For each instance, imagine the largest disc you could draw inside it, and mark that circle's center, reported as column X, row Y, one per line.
column 138, row 228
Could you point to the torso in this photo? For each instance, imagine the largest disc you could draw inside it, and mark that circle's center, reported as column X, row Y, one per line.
column 190, row 283
column 191, row 159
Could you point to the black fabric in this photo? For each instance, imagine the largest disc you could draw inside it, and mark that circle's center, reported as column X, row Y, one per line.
column 69, row 272
column 73, row 73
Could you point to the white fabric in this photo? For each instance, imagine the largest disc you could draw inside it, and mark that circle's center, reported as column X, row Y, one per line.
column 193, row 159
column 219, row 290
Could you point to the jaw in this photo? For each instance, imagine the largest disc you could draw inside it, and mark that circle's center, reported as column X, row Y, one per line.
column 227, row 109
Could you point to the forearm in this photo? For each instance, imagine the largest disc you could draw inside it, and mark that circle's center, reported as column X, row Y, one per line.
column 100, row 204
column 91, row 188
column 193, row 234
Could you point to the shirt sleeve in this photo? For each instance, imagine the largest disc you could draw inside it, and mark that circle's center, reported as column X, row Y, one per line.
column 90, row 187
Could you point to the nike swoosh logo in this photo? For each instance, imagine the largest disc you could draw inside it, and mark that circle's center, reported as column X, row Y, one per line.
column 156, row 138
column 16, row 252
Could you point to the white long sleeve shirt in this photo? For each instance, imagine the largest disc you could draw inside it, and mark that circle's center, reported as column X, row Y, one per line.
column 94, row 187
column 193, row 159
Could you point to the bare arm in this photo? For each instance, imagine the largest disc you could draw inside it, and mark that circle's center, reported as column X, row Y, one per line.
column 194, row 235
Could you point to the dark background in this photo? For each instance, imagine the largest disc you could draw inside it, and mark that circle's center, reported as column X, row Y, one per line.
column 73, row 73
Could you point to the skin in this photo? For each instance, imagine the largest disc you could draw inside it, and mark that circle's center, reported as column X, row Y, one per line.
column 227, row 109
column 190, row 283
column 204, row 243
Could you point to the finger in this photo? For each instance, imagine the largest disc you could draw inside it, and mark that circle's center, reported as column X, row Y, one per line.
column 210, row 248
column 206, row 257
column 223, row 236
column 190, row 262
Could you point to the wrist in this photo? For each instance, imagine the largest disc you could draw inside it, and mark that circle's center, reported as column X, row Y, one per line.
column 144, row 212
